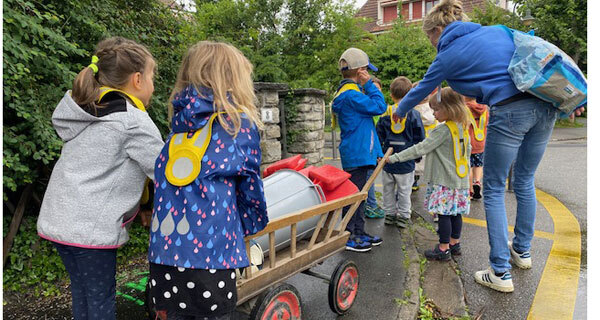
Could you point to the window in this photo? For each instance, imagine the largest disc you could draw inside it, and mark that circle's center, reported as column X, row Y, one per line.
column 429, row 5
column 390, row 13
column 405, row 11
column 417, row 10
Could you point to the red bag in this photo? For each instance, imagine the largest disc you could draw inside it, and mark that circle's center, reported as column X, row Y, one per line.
column 329, row 177
column 288, row 163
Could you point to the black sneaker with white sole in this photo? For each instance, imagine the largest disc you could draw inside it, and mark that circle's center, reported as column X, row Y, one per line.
column 437, row 254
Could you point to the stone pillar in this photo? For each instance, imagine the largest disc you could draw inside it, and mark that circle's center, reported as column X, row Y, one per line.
column 305, row 122
column 267, row 95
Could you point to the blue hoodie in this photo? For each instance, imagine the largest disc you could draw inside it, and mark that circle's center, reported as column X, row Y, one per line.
column 473, row 60
column 206, row 220
column 359, row 145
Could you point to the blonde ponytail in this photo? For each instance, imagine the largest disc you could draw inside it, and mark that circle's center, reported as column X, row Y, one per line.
column 443, row 14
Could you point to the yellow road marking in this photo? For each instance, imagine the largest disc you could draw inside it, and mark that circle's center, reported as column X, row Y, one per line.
column 557, row 290
column 482, row 223
column 328, row 158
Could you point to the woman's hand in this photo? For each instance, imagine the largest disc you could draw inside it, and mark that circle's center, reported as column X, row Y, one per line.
column 577, row 112
column 396, row 117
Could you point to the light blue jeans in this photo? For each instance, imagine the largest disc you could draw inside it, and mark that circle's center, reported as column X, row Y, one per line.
column 517, row 132
column 371, row 200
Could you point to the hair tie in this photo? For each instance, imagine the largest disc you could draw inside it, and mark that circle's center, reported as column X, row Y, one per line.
column 93, row 65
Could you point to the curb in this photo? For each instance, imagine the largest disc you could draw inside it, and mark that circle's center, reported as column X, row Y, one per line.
column 410, row 309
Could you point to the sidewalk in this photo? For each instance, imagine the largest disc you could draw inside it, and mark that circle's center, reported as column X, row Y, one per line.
column 448, row 290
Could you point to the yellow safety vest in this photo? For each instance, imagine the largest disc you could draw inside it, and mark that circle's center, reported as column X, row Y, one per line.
column 185, row 154
column 430, row 127
column 399, row 126
column 344, row 88
column 136, row 102
column 460, row 154
column 478, row 130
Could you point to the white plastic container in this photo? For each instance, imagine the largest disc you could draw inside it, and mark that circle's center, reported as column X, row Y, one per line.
column 288, row 191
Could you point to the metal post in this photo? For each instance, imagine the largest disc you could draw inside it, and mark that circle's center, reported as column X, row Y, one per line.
column 284, row 153
column 333, row 135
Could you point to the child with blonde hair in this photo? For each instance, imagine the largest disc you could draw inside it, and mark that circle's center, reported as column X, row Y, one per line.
column 209, row 194
column 446, row 170
column 110, row 145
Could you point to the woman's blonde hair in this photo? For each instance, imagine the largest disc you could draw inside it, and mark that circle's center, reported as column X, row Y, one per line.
column 453, row 104
column 118, row 59
column 224, row 69
column 444, row 13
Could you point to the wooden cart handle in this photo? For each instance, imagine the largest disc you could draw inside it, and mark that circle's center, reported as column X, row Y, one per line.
column 377, row 170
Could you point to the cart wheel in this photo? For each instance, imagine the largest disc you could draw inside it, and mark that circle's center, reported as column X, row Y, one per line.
column 343, row 287
column 279, row 303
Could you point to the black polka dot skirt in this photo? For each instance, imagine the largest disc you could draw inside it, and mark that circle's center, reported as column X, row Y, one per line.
column 201, row 293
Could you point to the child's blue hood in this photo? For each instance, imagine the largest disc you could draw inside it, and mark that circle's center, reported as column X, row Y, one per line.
column 455, row 30
column 192, row 108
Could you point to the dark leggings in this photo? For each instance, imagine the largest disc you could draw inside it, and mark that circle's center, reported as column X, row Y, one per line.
column 449, row 226
column 93, row 284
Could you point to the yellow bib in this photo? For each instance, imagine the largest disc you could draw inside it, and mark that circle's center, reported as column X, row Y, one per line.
column 430, row 127
column 460, row 154
column 399, row 126
column 137, row 102
column 478, row 130
column 344, row 88
column 185, row 154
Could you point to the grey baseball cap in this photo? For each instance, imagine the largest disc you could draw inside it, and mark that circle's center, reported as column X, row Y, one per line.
column 356, row 58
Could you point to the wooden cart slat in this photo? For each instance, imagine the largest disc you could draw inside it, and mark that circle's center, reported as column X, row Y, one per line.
column 299, row 257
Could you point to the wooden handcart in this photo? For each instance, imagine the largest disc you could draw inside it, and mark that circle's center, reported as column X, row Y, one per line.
column 277, row 300
column 263, row 294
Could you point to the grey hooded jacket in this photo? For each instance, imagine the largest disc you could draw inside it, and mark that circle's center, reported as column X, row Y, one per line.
column 97, row 182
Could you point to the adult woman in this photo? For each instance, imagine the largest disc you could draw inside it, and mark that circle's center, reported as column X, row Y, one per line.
column 474, row 61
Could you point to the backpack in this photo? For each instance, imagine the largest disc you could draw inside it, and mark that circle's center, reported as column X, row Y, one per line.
column 543, row 70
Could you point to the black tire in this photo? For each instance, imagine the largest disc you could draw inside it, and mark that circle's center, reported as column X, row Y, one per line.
column 343, row 287
column 283, row 299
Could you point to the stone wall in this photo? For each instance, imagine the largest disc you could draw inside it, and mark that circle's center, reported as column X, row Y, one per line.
column 305, row 114
column 267, row 95
column 302, row 133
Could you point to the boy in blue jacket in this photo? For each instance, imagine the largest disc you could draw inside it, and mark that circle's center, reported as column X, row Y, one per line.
column 359, row 146
column 398, row 177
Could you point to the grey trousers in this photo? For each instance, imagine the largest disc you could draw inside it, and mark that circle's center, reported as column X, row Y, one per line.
column 397, row 189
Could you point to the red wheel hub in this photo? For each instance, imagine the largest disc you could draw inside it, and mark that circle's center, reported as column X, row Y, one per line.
column 285, row 306
column 347, row 288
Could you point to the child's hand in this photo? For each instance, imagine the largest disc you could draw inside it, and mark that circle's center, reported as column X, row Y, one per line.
column 363, row 76
column 146, row 217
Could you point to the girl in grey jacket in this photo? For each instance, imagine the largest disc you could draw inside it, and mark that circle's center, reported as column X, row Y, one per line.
column 110, row 146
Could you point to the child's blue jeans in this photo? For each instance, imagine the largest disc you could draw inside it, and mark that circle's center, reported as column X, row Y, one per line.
column 371, row 200
column 93, row 285
column 517, row 132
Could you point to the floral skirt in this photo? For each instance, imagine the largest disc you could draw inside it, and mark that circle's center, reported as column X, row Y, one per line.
column 446, row 201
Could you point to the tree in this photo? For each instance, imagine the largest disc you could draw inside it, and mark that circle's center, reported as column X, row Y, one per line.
column 562, row 22
column 403, row 51
column 491, row 15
